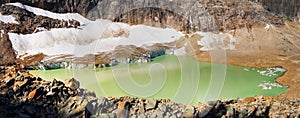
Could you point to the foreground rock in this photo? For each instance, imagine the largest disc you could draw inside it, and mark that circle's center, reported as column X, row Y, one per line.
column 24, row 95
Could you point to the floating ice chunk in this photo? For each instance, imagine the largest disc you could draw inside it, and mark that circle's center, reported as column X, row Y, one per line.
column 265, row 88
column 270, row 87
column 246, row 69
column 280, row 69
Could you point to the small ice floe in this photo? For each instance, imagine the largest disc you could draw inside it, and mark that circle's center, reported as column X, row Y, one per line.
column 279, row 69
column 246, row 69
column 269, row 85
column 265, row 88
column 267, row 27
column 271, row 71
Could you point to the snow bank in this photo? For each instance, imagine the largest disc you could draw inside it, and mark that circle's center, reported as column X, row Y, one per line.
column 80, row 42
column 91, row 38
column 180, row 51
column 213, row 41
column 8, row 19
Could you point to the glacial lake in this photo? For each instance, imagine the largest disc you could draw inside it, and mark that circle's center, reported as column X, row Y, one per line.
column 179, row 78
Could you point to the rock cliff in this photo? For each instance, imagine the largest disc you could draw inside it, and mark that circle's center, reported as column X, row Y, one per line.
column 187, row 15
column 7, row 53
column 283, row 8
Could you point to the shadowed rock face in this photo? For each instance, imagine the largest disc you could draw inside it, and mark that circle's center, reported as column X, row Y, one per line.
column 60, row 6
column 7, row 53
column 284, row 8
column 287, row 8
column 187, row 15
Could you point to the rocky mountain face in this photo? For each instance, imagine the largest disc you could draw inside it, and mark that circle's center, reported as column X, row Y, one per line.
column 187, row 15
column 283, row 8
column 60, row 6
column 29, row 22
column 7, row 53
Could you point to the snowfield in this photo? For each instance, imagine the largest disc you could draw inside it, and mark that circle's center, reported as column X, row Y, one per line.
column 212, row 41
column 91, row 38
column 101, row 36
column 8, row 19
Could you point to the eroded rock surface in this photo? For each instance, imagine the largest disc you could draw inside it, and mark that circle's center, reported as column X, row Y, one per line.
column 7, row 53
column 29, row 22
column 186, row 15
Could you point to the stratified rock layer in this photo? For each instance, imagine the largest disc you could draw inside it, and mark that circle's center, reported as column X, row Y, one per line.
column 186, row 15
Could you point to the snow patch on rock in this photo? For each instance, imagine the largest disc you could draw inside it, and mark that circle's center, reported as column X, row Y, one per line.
column 213, row 41
column 8, row 19
column 41, row 12
column 91, row 38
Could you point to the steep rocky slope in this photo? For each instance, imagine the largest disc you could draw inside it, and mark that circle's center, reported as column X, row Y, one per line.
column 60, row 6
column 283, row 8
column 7, row 53
column 188, row 15
column 29, row 22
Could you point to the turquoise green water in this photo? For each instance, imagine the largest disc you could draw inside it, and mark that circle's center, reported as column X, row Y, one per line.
column 181, row 79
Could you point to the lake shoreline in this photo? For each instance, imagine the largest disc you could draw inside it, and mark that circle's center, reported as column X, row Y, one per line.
column 104, row 82
column 33, row 94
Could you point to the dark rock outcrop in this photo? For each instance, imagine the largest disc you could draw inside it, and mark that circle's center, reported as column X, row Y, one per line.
column 284, row 8
column 60, row 6
column 7, row 53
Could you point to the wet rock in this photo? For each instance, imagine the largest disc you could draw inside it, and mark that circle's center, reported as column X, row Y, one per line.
column 151, row 104
column 189, row 111
column 72, row 83
column 10, row 82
